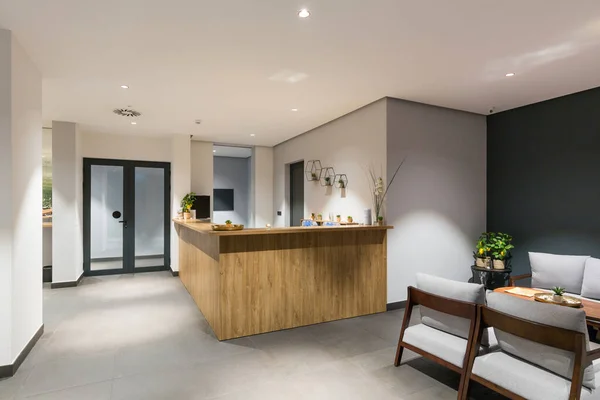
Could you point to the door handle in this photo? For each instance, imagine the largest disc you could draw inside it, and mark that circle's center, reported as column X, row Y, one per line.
column 123, row 222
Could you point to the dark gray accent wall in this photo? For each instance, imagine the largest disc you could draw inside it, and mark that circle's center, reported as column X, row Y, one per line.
column 233, row 173
column 543, row 176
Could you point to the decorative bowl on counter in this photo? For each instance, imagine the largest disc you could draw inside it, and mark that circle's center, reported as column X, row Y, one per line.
column 227, row 227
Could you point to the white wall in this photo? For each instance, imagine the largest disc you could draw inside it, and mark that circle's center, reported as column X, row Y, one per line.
column 67, row 202
column 233, row 173
column 348, row 144
column 261, row 187
column 180, row 185
column 437, row 204
column 123, row 147
column 20, row 199
column 202, row 170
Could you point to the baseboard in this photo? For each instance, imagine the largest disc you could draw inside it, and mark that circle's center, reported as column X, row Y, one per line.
column 61, row 285
column 6, row 371
column 174, row 273
column 396, row 306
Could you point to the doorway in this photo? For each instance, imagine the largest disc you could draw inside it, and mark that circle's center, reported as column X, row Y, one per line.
column 126, row 225
column 296, row 193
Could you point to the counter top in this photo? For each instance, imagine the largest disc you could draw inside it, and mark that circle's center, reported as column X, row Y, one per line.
column 205, row 227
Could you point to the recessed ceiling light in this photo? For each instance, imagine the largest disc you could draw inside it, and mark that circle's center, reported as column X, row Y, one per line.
column 510, row 74
column 304, row 13
column 134, row 123
column 294, row 109
column 214, row 151
column 124, row 87
column 252, row 134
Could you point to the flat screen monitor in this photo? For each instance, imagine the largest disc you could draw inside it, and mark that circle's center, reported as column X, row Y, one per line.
column 223, row 200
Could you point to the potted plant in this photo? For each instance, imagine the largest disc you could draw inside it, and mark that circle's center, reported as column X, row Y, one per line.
column 380, row 220
column 500, row 246
column 228, row 223
column 350, row 219
column 342, row 184
column 313, row 176
column 338, row 218
column 319, row 217
column 327, row 181
column 558, row 294
column 312, row 216
column 186, row 204
column 482, row 251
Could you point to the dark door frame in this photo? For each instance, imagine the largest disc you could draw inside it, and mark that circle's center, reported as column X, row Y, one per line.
column 128, row 214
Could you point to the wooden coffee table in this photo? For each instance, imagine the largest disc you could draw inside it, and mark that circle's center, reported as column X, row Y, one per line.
column 591, row 308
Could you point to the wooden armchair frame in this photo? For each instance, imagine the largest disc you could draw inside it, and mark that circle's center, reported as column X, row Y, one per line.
column 544, row 334
column 446, row 305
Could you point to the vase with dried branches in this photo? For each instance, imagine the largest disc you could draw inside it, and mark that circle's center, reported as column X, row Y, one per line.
column 379, row 190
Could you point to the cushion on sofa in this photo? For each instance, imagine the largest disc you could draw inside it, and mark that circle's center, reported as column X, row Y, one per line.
column 549, row 270
column 553, row 359
column 469, row 292
column 591, row 279
column 441, row 344
column 525, row 379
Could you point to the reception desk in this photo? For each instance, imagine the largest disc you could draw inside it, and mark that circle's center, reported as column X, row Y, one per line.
column 262, row 280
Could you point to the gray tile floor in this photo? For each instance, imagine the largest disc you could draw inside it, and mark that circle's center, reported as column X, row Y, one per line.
column 141, row 336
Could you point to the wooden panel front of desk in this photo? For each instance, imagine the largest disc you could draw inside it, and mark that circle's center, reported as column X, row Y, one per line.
column 251, row 284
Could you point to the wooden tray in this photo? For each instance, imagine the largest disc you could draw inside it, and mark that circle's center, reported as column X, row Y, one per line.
column 568, row 301
column 232, row 227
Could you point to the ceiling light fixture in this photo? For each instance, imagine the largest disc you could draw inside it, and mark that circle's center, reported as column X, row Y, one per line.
column 134, row 123
column 294, row 109
column 252, row 134
column 304, row 13
column 510, row 74
column 124, row 87
column 214, row 151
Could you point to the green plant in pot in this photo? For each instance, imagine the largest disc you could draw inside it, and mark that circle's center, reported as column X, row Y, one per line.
column 187, row 203
column 327, row 181
column 342, row 184
column 313, row 176
column 500, row 245
column 380, row 220
column 228, row 222
column 558, row 293
column 350, row 219
column 338, row 218
column 482, row 253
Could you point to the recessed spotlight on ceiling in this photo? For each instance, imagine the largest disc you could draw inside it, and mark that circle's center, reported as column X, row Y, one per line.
column 510, row 74
column 214, row 151
column 304, row 13
column 134, row 123
column 252, row 134
column 294, row 109
column 124, row 87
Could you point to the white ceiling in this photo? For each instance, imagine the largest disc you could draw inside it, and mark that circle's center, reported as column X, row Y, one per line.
column 213, row 60
column 232, row 151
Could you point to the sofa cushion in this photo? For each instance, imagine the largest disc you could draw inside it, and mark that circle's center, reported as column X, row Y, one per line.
column 525, row 379
column 441, row 344
column 555, row 360
column 469, row 292
column 591, row 279
column 549, row 270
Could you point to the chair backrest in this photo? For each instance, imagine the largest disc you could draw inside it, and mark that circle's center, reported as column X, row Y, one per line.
column 549, row 270
column 547, row 335
column 591, row 279
column 456, row 292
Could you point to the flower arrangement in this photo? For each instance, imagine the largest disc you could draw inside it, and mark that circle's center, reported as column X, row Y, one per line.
column 379, row 190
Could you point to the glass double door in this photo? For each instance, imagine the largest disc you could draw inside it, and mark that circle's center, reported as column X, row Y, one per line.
column 126, row 210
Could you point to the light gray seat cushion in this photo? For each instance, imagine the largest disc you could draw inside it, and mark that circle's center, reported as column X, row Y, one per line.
column 549, row 270
column 469, row 292
column 591, row 279
column 525, row 379
column 441, row 344
column 555, row 360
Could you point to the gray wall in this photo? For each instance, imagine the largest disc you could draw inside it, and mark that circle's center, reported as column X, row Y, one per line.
column 437, row 204
column 544, row 176
column 233, row 173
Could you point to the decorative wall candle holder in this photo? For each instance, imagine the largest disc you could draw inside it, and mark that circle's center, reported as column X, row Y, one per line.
column 313, row 170
column 327, row 176
column 341, row 181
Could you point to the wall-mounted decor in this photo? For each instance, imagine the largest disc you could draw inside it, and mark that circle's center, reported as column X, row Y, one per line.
column 327, row 176
column 313, row 170
column 223, row 200
column 341, row 181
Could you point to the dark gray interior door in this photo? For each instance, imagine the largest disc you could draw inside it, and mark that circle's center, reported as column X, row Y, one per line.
column 296, row 193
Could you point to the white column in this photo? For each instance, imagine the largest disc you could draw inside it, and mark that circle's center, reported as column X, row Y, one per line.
column 202, row 170
column 20, row 199
column 262, row 186
column 67, row 203
column 180, row 186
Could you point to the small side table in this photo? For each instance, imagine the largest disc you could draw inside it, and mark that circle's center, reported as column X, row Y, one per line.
column 490, row 278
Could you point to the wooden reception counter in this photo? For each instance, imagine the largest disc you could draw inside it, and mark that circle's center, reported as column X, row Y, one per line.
column 262, row 280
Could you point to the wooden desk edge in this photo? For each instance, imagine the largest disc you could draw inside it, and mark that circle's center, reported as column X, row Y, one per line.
column 204, row 227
